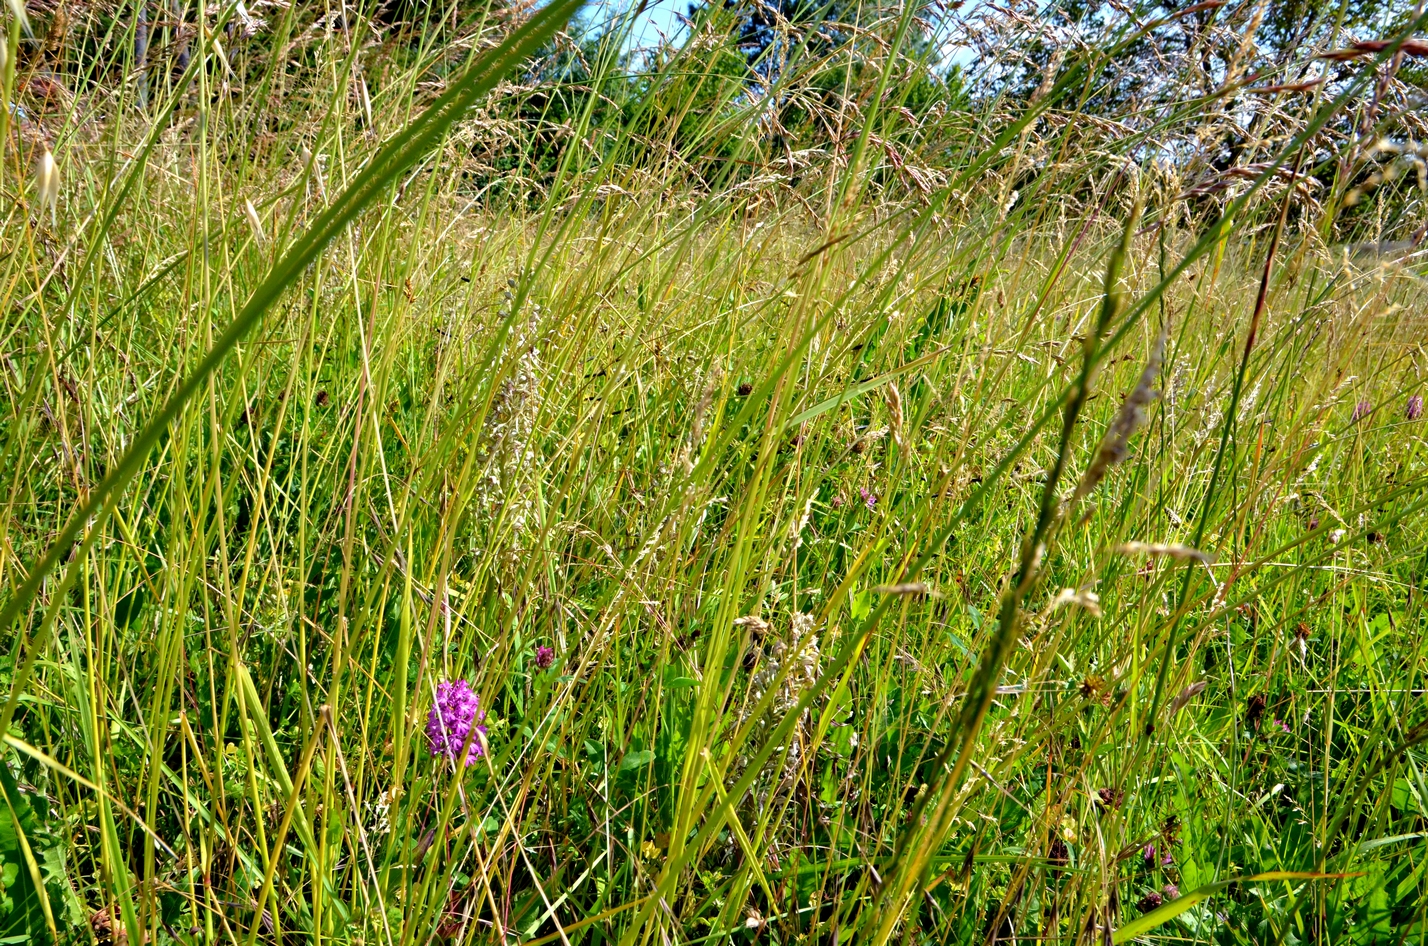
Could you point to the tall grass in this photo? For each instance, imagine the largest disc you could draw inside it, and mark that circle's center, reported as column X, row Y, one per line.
column 946, row 532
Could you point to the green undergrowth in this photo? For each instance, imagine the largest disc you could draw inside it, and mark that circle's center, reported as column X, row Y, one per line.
column 912, row 568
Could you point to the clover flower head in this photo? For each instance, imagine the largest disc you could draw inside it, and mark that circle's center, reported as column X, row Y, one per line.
column 449, row 724
column 1415, row 407
column 869, row 499
column 544, row 656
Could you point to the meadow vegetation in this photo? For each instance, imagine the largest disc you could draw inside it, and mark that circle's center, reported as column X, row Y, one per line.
column 470, row 480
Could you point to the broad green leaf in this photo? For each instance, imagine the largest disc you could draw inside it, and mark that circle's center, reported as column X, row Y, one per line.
column 1169, row 911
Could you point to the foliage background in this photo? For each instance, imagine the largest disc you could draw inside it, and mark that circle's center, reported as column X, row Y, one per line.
column 780, row 379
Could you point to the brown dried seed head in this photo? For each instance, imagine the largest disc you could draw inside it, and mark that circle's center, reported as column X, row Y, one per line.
column 1254, row 710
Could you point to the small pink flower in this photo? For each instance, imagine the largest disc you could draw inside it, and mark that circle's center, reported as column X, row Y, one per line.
column 545, row 656
column 1171, row 892
column 869, row 499
column 1415, row 407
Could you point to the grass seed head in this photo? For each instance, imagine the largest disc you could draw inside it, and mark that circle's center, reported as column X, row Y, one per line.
column 255, row 223
column 47, row 182
column 1115, row 445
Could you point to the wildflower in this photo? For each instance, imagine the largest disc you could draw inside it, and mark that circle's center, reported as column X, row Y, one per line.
column 869, row 499
column 1110, row 797
column 1094, row 688
column 1167, row 860
column 381, row 813
column 545, row 656
column 1149, row 902
column 1415, row 407
column 1361, row 410
column 838, row 501
column 1171, row 892
column 1313, row 523
column 1148, row 855
column 1336, row 535
column 449, row 724
column 1281, row 725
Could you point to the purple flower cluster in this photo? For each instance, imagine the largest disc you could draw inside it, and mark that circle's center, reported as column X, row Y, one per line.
column 1415, row 407
column 869, row 499
column 1148, row 853
column 1361, row 410
column 448, row 726
column 545, row 656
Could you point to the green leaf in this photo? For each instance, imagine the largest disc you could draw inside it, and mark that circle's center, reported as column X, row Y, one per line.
column 29, row 914
column 858, row 390
column 637, row 760
column 861, row 604
column 1169, row 911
